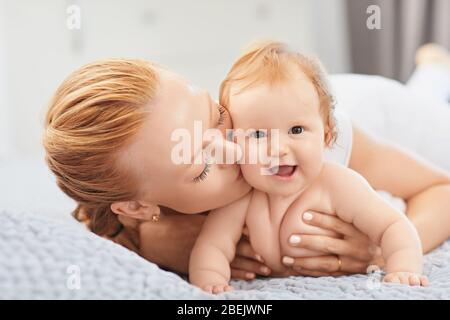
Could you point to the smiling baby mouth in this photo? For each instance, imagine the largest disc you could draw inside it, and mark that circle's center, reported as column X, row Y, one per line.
column 283, row 171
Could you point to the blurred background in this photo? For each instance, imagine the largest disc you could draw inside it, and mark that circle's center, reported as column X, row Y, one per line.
column 198, row 39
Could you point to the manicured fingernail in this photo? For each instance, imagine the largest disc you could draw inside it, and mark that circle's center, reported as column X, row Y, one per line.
column 264, row 270
column 249, row 275
column 307, row 216
column 288, row 261
column 294, row 239
column 259, row 258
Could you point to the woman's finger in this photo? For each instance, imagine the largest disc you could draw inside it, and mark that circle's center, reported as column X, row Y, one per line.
column 332, row 246
column 332, row 223
column 250, row 265
column 242, row 274
column 329, row 264
column 245, row 249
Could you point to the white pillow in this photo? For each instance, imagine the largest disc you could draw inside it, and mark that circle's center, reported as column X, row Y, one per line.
column 392, row 111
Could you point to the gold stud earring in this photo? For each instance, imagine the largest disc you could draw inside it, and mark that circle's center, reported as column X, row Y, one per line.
column 155, row 218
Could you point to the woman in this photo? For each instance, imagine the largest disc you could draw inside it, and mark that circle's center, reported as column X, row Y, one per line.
column 108, row 141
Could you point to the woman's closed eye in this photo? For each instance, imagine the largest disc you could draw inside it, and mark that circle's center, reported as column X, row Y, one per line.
column 204, row 174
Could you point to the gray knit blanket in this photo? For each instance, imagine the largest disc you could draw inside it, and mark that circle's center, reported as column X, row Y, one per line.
column 41, row 258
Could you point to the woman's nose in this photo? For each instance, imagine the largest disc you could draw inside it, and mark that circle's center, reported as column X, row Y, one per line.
column 226, row 152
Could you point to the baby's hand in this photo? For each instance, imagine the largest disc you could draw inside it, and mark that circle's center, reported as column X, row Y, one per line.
column 217, row 288
column 413, row 279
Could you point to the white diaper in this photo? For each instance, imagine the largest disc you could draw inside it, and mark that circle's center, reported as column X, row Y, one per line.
column 396, row 202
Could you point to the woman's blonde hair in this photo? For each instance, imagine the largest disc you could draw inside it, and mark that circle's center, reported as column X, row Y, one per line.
column 271, row 62
column 92, row 116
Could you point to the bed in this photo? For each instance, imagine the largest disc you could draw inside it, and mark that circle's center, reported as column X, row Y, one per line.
column 45, row 254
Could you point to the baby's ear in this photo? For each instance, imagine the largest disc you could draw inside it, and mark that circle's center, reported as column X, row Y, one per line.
column 141, row 210
column 328, row 137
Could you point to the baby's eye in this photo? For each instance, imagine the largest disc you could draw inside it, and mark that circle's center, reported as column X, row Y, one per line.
column 258, row 134
column 296, row 130
column 229, row 135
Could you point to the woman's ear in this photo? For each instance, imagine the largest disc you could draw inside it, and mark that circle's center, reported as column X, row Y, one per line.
column 136, row 209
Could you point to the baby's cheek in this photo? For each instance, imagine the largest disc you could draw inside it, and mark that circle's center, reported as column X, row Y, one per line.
column 250, row 151
column 310, row 157
column 252, row 175
column 310, row 149
column 255, row 159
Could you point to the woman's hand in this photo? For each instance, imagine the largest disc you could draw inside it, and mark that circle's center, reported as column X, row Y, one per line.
column 352, row 253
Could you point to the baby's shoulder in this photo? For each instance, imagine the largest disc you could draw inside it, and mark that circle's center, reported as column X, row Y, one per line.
column 332, row 169
column 334, row 175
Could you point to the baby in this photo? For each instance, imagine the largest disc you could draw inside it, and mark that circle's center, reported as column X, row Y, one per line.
column 279, row 102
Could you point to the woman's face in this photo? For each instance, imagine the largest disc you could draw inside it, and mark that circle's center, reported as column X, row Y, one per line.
column 189, row 187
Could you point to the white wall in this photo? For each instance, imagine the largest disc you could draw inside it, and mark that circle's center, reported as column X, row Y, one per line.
column 198, row 39
column 5, row 139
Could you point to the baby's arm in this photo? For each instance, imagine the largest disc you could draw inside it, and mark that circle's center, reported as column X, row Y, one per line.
column 209, row 264
column 356, row 202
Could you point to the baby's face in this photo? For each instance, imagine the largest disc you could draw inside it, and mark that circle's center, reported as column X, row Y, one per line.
column 296, row 151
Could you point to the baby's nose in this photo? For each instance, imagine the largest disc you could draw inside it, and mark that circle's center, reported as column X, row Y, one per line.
column 279, row 147
column 284, row 150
